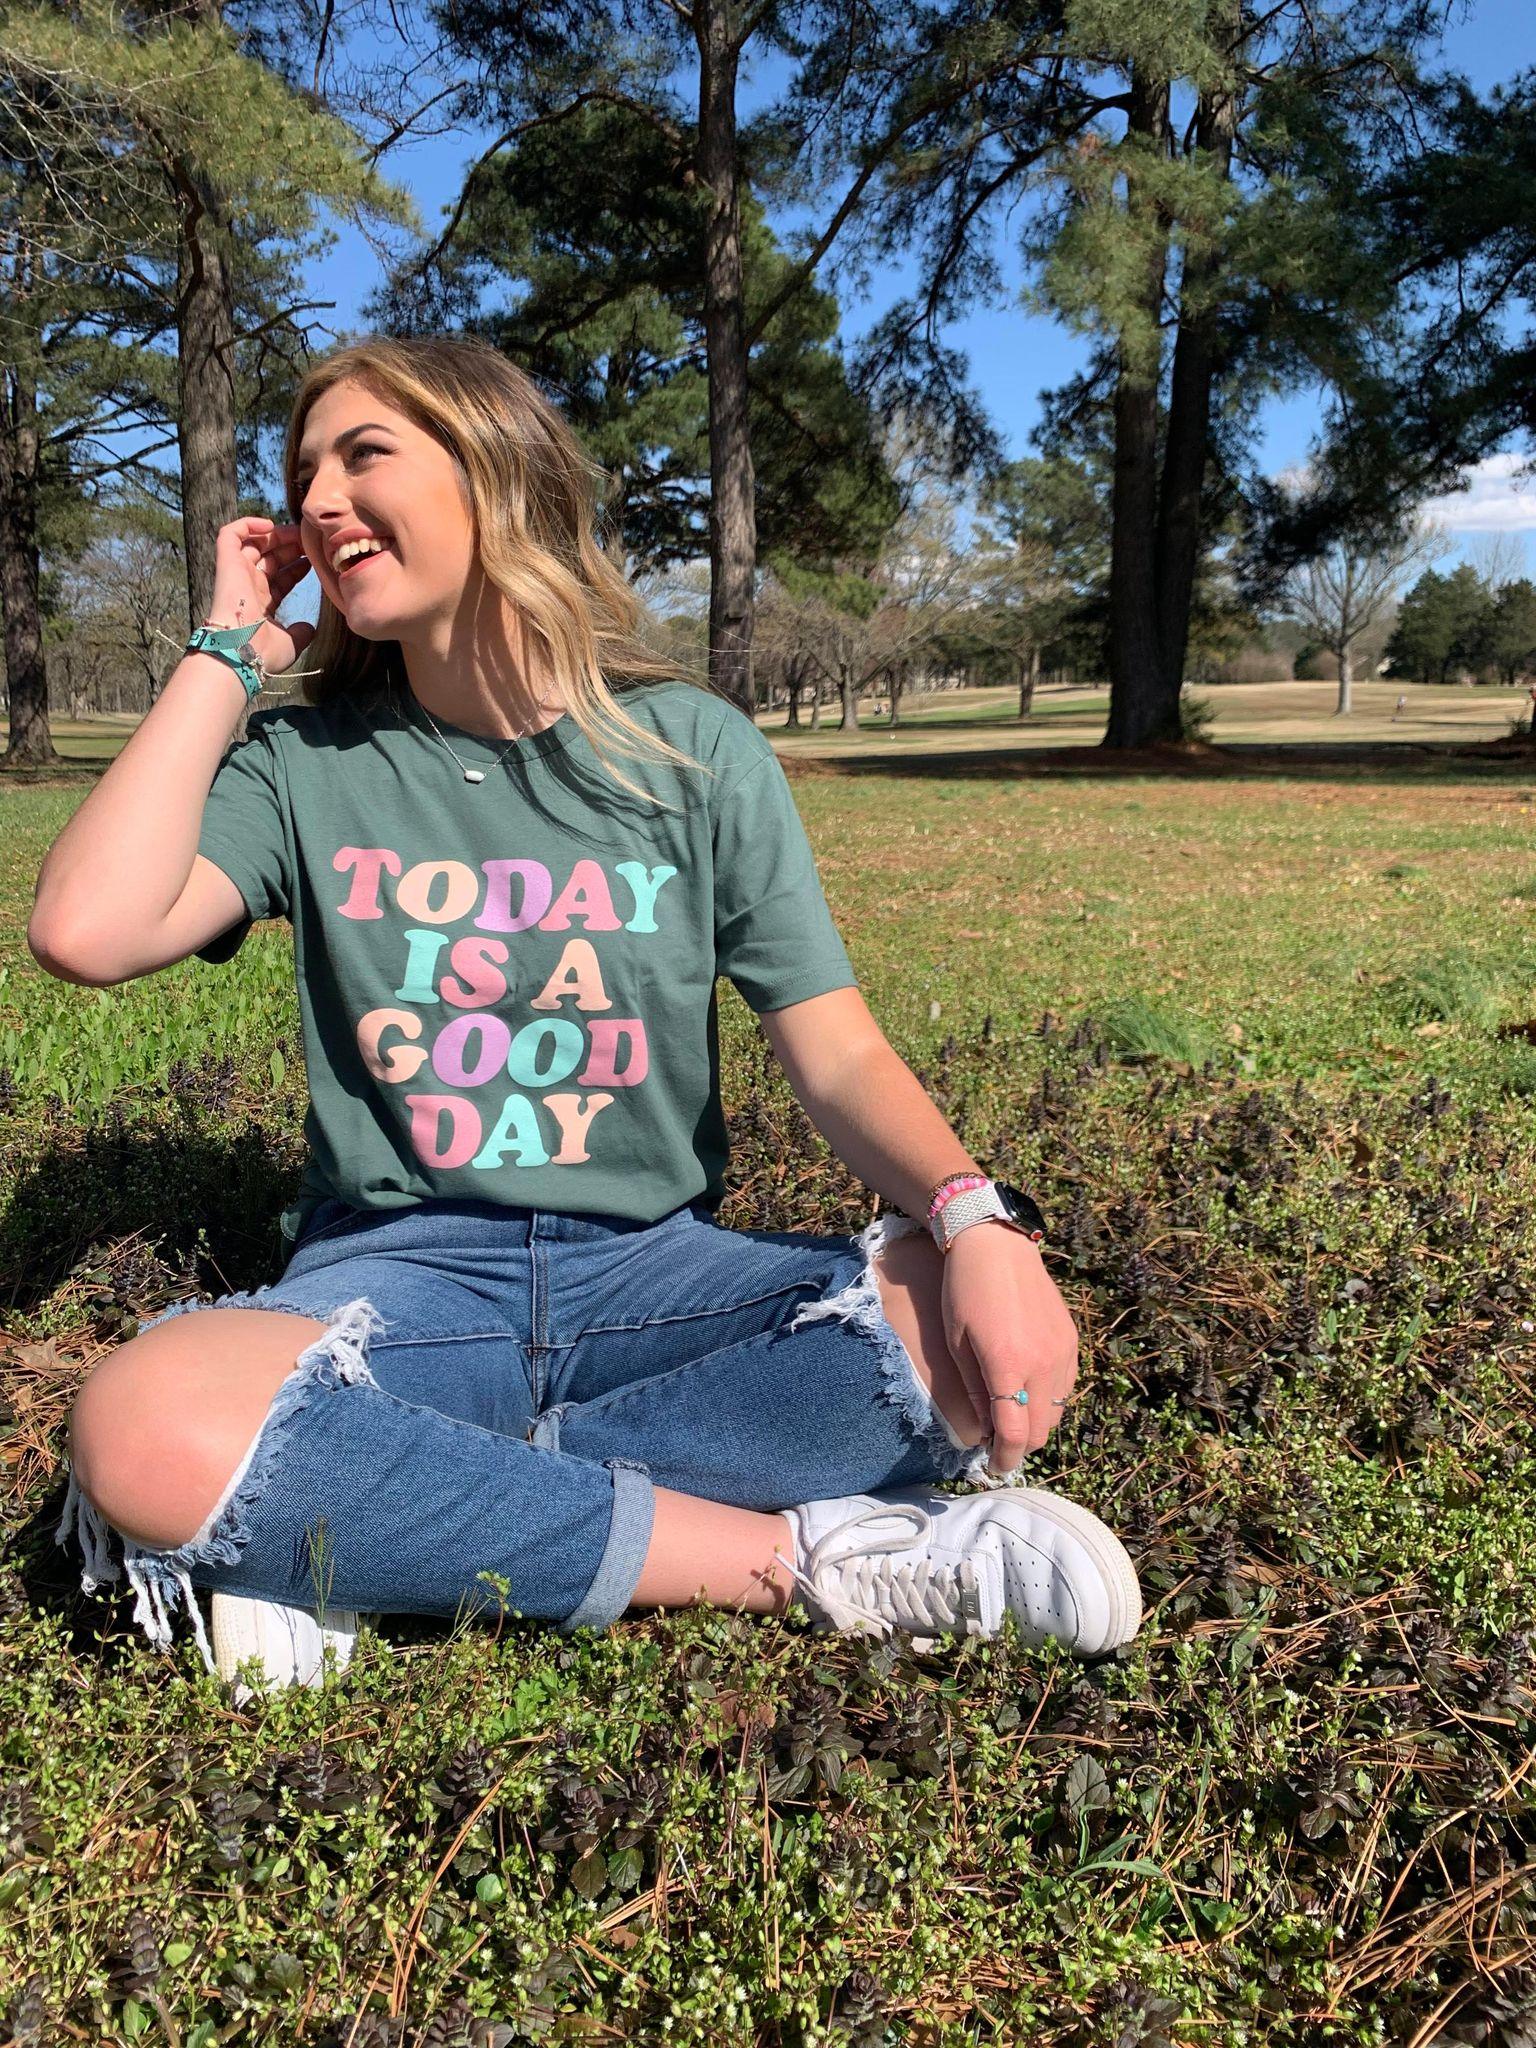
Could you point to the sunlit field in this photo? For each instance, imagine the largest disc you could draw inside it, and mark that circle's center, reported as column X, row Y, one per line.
column 1240, row 714
column 1263, row 1043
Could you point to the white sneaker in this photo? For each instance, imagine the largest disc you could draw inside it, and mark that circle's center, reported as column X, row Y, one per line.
column 288, row 1643
column 926, row 1562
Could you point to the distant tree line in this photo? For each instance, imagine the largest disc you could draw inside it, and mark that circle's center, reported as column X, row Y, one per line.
column 1459, row 628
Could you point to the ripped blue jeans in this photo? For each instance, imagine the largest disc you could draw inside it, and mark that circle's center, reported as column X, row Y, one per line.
column 498, row 1391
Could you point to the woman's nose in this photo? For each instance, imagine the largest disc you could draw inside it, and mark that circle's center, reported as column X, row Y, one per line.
column 319, row 516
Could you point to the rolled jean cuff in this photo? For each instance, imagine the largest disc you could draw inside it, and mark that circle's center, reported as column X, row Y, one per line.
column 623, row 1559
column 339, row 1357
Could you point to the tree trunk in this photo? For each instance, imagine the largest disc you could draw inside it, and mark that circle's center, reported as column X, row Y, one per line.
column 1143, row 703
column 849, row 696
column 613, row 527
column 1029, row 682
column 1345, row 704
column 621, row 364
column 794, row 683
column 1189, row 404
column 898, row 678
column 732, row 510
column 205, row 332
column 26, row 666
column 26, row 669
column 1139, row 708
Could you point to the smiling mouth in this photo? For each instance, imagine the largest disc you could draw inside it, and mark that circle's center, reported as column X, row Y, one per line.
column 353, row 562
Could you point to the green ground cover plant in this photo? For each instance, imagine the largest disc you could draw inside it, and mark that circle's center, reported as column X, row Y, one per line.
column 1265, row 1047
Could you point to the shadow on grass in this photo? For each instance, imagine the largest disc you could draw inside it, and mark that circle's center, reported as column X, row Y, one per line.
column 122, row 1209
column 922, row 749
column 67, row 769
column 1401, row 761
column 106, row 1224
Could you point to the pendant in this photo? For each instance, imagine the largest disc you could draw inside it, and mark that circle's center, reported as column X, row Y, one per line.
column 474, row 775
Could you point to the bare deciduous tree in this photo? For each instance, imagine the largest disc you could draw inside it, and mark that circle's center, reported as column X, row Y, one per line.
column 1347, row 590
column 126, row 599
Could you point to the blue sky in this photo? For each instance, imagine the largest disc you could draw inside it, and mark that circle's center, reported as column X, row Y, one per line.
column 1014, row 354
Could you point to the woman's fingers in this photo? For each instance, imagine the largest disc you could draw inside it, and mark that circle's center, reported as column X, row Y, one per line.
column 969, row 1368
column 1010, row 1432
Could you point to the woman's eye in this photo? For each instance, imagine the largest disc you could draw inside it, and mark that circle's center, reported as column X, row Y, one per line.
column 302, row 482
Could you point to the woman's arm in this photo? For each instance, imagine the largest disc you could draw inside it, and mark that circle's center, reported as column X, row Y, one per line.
column 121, row 890
column 111, row 883
column 1006, row 1325
column 864, row 1098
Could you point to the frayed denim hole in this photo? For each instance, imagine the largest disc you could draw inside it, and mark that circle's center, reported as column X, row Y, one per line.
column 859, row 1305
column 337, row 1358
column 183, row 1308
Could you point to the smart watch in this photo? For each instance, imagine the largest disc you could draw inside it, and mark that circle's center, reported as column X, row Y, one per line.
column 996, row 1200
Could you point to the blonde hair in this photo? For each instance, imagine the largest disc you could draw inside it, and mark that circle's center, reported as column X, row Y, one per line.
column 532, row 491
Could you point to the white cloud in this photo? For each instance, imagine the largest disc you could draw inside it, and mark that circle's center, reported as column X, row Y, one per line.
column 1498, row 499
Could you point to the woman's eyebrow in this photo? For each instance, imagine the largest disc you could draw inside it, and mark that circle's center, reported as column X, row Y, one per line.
column 347, row 434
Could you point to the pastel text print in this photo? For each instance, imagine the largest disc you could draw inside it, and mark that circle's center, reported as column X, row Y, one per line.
column 510, row 1089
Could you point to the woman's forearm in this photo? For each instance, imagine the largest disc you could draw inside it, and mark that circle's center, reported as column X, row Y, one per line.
column 881, row 1121
column 126, row 853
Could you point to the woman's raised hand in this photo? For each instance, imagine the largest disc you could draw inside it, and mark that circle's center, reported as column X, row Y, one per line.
column 257, row 563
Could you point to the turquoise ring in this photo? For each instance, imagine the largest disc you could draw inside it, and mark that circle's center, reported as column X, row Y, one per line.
column 1022, row 1397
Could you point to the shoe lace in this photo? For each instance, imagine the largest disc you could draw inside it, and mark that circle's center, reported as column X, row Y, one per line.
column 865, row 1585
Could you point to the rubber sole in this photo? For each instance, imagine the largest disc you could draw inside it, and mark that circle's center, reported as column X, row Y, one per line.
column 1108, row 1553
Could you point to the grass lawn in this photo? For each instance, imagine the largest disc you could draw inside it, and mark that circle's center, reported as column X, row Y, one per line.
column 1264, row 1044
column 1073, row 715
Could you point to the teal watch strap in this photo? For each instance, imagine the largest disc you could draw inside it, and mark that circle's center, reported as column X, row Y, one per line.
column 228, row 644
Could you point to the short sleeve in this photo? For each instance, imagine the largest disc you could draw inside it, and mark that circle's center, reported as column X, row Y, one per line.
column 774, row 935
column 245, row 833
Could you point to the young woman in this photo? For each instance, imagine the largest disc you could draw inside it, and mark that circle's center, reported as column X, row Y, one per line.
column 512, row 1359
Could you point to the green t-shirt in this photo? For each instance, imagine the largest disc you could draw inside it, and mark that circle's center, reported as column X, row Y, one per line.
column 507, row 988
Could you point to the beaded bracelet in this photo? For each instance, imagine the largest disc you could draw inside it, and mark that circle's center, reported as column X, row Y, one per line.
column 955, row 1185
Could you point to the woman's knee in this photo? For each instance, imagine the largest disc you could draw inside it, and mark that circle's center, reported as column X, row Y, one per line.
column 161, row 1425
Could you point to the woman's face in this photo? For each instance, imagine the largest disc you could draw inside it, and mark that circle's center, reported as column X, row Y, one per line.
column 366, row 473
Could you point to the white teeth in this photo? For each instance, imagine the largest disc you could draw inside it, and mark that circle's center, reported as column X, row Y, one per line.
column 350, row 548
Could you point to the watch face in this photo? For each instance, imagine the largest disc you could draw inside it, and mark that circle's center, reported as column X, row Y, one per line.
column 1021, row 1210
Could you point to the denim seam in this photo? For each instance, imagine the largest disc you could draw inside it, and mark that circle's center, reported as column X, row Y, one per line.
column 337, row 1358
column 538, row 1317
column 325, row 1230
column 694, row 1316
column 860, row 1305
column 545, row 1432
column 449, row 1337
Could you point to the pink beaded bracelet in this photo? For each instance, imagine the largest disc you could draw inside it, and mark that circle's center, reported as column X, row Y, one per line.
column 955, row 1185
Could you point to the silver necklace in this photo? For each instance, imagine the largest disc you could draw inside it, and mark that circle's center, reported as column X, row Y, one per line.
column 471, row 774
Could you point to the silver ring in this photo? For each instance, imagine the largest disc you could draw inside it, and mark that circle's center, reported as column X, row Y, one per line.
column 1022, row 1397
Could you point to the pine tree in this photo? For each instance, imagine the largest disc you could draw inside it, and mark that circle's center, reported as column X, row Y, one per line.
column 544, row 62
column 1442, row 624
column 197, row 169
column 1509, row 640
column 577, row 254
column 1187, row 172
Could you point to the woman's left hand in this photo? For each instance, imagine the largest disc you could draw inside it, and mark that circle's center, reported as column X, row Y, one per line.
column 1008, row 1329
